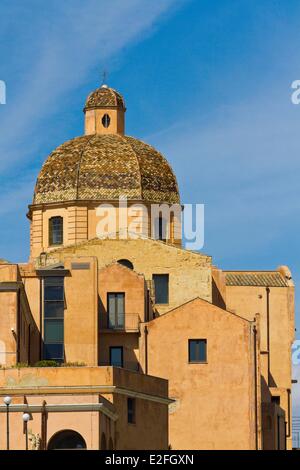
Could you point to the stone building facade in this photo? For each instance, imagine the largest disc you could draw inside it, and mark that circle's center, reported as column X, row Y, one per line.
column 156, row 346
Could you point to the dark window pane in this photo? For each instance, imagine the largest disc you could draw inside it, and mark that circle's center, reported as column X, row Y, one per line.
column 54, row 310
column 160, row 228
column 131, row 410
column 53, row 318
column 54, row 331
column 116, row 356
column 54, row 293
column 54, row 351
column 54, row 281
column 192, row 351
column 56, row 231
column 197, row 350
column 126, row 262
column 106, row 121
column 161, row 284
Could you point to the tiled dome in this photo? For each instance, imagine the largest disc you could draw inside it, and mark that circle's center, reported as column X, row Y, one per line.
column 104, row 97
column 106, row 167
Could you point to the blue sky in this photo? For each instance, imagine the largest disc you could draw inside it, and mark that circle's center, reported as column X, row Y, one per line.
column 208, row 82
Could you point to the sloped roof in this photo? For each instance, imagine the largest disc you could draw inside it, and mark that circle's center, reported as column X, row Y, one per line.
column 255, row 278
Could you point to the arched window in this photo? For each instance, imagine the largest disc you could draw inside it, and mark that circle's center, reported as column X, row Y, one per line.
column 67, row 439
column 56, row 231
column 126, row 262
column 160, row 228
column 106, row 121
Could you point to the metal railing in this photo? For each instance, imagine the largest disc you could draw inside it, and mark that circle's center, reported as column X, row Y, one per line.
column 120, row 322
column 133, row 366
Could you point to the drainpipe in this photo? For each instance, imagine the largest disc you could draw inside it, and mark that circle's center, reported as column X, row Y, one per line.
column 268, row 332
column 255, row 385
column 146, row 349
column 18, row 324
column 41, row 318
column 44, row 417
column 289, row 412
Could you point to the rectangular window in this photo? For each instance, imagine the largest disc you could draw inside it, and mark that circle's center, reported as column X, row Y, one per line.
column 116, row 356
column 161, row 286
column 197, row 350
column 54, row 306
column 131, row 410
column 116, row 310
column 56, row 231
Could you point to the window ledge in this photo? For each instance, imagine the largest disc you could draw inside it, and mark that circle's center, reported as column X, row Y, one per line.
column 198, row 362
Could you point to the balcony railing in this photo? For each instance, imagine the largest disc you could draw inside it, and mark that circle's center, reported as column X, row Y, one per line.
column 133, row 366
column 129, row 322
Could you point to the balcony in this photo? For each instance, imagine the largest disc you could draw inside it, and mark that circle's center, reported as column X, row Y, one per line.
column 122, row 322
column 127, row 365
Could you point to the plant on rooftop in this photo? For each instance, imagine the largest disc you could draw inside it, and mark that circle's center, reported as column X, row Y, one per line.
column 46, row 363
column 73, row 364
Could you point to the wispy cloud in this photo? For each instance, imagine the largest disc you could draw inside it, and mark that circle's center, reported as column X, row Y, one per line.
column 245, row 166
column 47, row 52
column 74, row 38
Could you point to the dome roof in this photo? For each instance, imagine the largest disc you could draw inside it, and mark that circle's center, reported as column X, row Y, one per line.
column 106, row 167
column 104, row 97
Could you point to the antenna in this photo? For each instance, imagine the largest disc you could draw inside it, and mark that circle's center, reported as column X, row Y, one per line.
column 104, row 79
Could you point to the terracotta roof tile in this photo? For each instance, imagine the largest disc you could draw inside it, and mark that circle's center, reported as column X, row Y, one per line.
column 104, row 167
column 262, row 279
column 104, row 97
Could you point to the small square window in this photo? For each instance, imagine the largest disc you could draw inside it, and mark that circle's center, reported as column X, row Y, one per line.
column 131, row 410
column 197, row 350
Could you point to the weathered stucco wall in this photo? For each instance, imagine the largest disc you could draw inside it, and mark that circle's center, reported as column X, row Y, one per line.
column 253, row 299
column 189, row 273
column 34, row 385
column 215, row 401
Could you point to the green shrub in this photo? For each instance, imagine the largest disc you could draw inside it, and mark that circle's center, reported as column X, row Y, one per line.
column 20, row 365
column 73, row 364
column 46, row 363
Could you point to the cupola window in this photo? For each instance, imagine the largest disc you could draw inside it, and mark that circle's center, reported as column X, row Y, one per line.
column 106, row 121
column 160, row 228
column 55, row 231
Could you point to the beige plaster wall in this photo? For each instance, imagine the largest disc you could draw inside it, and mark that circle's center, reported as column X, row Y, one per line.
column 189, row 273
column 149, row 432
column 251, row 300
column 82, row 222
column 93, row 121
column 215, row 401
column 81, row 312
